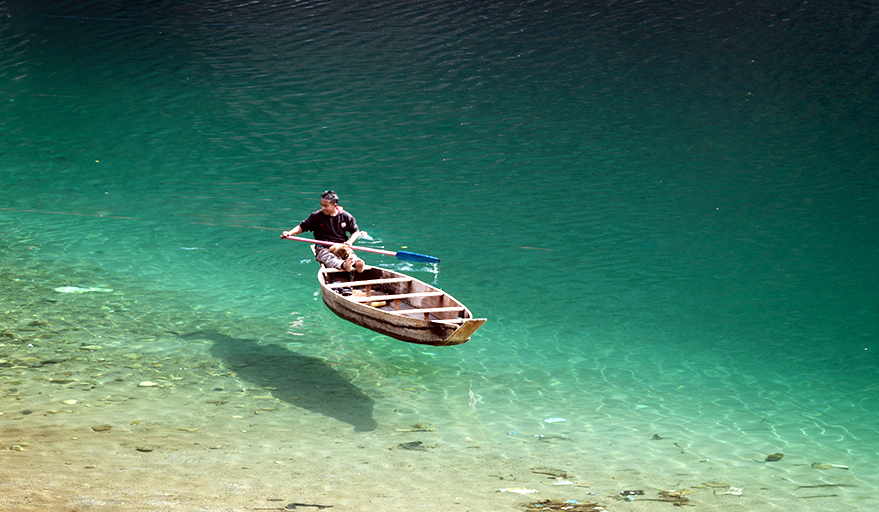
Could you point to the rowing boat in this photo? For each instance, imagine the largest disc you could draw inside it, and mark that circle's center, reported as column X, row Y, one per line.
column 397, row 305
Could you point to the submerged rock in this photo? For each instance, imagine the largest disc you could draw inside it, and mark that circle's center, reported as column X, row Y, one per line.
column 413, row 445
column 822, row 466
column 77, row 289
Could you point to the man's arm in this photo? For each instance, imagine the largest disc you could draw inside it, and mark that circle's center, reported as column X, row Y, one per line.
column 353, row 238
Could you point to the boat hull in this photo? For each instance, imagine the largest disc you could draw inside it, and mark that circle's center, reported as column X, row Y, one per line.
column 403, row 308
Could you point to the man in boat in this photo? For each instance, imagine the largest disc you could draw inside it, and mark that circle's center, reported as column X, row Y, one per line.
column 333, row 224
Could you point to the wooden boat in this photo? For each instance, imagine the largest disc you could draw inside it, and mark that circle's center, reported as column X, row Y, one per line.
column 397, row 305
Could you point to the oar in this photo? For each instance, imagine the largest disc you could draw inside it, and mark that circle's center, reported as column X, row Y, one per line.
column 400, row 255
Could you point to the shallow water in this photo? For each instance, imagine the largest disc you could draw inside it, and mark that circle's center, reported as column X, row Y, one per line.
column 668, row 215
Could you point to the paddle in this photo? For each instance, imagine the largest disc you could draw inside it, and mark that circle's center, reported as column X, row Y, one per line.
column 400, row 255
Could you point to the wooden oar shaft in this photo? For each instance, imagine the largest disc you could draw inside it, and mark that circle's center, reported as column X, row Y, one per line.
column 400, row 255
column 355, row 247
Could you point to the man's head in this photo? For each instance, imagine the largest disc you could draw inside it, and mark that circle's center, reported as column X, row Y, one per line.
column 328, row 202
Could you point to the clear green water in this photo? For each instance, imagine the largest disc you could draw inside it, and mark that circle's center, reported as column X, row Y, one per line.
column 667, row 214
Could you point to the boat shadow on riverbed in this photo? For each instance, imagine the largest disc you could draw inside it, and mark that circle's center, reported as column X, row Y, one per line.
column 303, row 381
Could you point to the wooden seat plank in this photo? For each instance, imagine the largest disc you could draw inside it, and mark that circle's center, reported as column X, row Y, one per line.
column 343, row 271
column 368, row 282
column 454, row 321
column 396, row 296
column 419, row 311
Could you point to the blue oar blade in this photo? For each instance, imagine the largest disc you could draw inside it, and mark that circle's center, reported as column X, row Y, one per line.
column 414, row 256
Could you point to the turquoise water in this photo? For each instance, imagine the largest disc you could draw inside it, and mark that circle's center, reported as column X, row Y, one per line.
column 667, row 212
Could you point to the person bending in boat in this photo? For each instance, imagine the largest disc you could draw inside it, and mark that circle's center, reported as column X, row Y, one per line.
column 333, row 224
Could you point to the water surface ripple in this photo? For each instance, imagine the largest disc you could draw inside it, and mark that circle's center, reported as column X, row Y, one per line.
column 667, row 212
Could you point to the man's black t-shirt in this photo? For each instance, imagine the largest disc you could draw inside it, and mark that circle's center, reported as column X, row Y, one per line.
column 332, row 229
